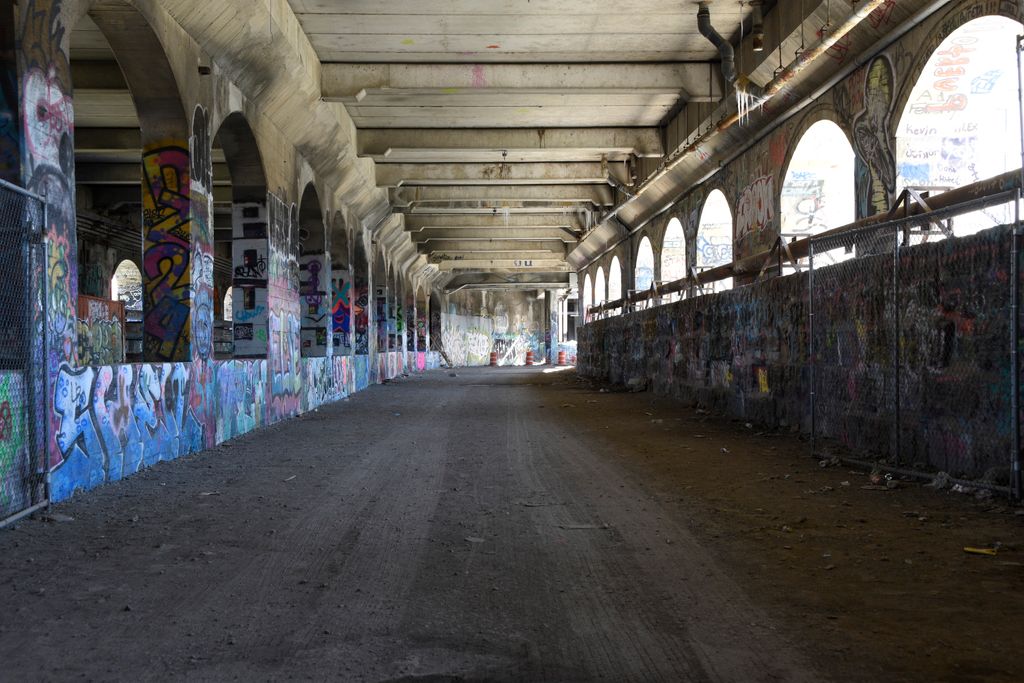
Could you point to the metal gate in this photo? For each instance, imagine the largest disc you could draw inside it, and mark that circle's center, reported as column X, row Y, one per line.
column 23, row 464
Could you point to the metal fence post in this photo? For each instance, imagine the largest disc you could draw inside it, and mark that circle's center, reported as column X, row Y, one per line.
column 1015, row 473
column 810, row 342
column 896, row 358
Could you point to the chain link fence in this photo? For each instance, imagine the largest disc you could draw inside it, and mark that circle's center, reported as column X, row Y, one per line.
column 912, row 337
column 22, row 353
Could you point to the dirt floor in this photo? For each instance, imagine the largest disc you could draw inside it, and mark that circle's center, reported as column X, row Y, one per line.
column 512, row 525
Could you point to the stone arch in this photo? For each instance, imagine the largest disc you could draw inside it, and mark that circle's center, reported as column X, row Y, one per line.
column 314, row 275
column 249, row 237
column 715, row 237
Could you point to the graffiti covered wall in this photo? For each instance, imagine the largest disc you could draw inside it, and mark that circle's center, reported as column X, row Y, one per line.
column 507, row 323
column 744, row 352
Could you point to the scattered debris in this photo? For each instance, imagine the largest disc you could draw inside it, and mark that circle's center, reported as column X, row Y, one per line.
column 291, row 477
column 210, row 493
column 941, row 481
column 970, row 550
column 474, row 539
column 725, row 450
column 453, row 374
column 583, row 526
column 57, row 517
column 829, row 462
column 568, row 405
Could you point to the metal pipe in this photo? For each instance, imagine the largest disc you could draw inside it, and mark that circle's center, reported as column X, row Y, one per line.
column 24, row 513
column 725, row 49
column 896, row 358
column 991, row 191
column 673, row 159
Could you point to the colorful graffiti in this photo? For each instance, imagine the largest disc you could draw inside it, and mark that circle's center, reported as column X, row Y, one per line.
column 341, row 314
column 13, row 438
column 167, row 273
column 114, row 420
column 249, row 254
column 241, row 396
column 100, row 331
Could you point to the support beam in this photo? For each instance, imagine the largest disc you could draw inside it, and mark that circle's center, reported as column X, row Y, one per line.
column 499, row 196
column 128, row 174
column 395, row 175
column 515, row 265
column 569, row 221
column 425, row 235
column 523, row 246
column 698, row 80
column 522, row 280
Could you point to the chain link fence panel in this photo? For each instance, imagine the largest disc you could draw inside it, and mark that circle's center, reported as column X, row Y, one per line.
column 22, row 352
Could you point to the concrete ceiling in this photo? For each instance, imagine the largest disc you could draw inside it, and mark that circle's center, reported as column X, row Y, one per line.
column 504, row 129
column 509, row 137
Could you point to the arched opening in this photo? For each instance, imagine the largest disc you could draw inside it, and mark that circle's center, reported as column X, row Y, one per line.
column 422, row 318
column 588, row 297
column 960, row 124
column 410, row 316
column 124, row 104
column 380, row 294
column 600, row 292
column 126, row 288
column 643, row 273
column 228, row 305
column 120, row 194
column 341, row 288
column 360, row 296
column 314, row 276
column 819, row 191
column 673, row 252
column 240, row 223
column 615, row 281
column 714, row 238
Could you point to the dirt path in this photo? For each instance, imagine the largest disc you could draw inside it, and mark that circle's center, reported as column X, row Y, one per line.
column 510, row 525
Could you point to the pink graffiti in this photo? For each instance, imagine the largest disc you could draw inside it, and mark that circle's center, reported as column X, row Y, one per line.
column 49, row 116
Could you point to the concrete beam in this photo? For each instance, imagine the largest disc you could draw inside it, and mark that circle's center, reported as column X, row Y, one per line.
column 395, row 175
column 508, row 144
column 488, row 196
column 130, row 174
column 493, row 254
column 425, row 235
column 341, row 81
column 523, row 246
column 521, row 280
column 569, row 221
column 517, row 265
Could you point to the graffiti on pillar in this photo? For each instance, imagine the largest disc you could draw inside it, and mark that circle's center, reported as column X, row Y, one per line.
column 114, row 420
column 285, row 381
column 872, row 139
column 341, row 313
column 201, row 187
column 47, row 121
column 167, row 224
column 361, row 313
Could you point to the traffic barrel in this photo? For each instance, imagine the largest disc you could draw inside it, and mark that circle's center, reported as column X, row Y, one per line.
column 494, row 359
column 561, row 357
column 529, row 357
